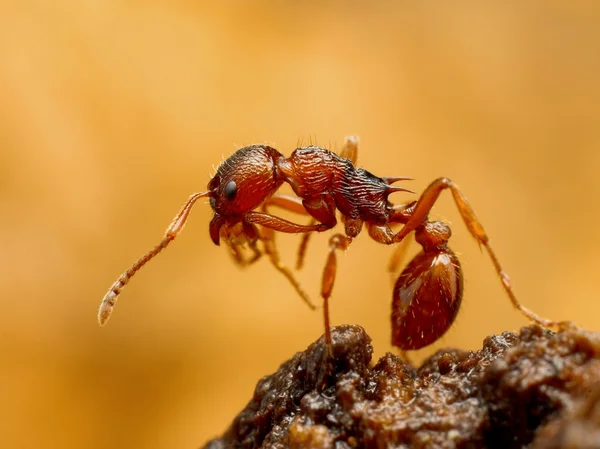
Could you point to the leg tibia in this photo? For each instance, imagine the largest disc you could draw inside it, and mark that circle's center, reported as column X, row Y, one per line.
column 336, row 242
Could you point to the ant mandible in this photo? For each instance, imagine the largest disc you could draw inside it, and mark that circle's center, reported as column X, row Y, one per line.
column 428, row 292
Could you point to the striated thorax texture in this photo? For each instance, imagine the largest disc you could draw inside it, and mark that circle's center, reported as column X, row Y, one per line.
column 358, row 194
column 535, row 389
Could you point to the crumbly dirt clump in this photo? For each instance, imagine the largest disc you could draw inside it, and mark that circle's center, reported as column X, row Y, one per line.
column 537, row 389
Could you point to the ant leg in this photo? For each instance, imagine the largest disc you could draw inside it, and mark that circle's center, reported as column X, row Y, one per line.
column 268, row 239
column 292, row 204
column 381, row 233
column 321, row 208
column 384, row 234
column 285, row 202
column 350, row 149
column 352, row 226
column 336, row 242
column 282, row 225
column 401, row 214
column 405, row 358
column 301, row 254
column 397, row 260
column 238, row 255
column 250, row 235
column 110, row 299
column 419, row 215
column 272, row 223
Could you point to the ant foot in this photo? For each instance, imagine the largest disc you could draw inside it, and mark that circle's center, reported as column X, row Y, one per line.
column 563, row 326
column 350, row 346
column 405, row 358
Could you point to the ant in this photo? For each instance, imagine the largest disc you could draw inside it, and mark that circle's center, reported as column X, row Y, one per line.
column 428, row 292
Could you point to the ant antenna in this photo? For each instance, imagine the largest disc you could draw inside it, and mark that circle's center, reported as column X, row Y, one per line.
column 108, row 302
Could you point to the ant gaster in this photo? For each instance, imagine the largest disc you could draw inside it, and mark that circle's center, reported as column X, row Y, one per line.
column 428, row 292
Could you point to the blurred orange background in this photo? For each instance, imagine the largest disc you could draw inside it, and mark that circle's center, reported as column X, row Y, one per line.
column 112, row 113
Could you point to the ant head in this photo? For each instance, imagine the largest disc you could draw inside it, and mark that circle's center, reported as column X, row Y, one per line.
column 242, row 182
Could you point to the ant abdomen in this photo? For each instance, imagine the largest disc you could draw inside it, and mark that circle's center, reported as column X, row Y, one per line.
column 426, row 298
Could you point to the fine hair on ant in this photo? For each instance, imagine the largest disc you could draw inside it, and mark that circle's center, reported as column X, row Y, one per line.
column 428, row 292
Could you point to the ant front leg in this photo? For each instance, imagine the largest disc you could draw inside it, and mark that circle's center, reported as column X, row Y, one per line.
column 238, row 255
column 281, row 224
column 271, row 223
column 292, row 204
column 420, row 213
column 236, row 236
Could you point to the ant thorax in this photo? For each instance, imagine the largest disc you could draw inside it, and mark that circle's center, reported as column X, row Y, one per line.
column 358, row 194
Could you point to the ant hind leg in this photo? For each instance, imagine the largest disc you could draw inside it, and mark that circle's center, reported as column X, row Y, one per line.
column 419, row 215
column 397, row 260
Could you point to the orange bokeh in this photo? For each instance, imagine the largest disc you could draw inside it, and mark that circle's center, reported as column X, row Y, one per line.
column 112, row 113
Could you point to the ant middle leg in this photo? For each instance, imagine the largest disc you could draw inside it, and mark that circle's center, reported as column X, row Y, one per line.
column 336, row 242
column 244, row 232
column 419, row 216
column 397, row 260
column 268, row 238
column 322, row 208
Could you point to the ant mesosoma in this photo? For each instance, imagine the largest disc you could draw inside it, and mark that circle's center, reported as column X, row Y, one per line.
column 428, row 292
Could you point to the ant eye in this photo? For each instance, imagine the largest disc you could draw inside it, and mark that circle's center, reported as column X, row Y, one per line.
column 230, row 190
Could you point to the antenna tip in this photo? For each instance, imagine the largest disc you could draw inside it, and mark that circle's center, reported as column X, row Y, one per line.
column 106, row 307
column 104, row 314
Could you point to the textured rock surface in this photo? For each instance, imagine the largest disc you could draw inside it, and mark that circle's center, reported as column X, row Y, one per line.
column 536, row 389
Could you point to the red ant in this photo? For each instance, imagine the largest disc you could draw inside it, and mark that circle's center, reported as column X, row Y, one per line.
column 428, row 292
